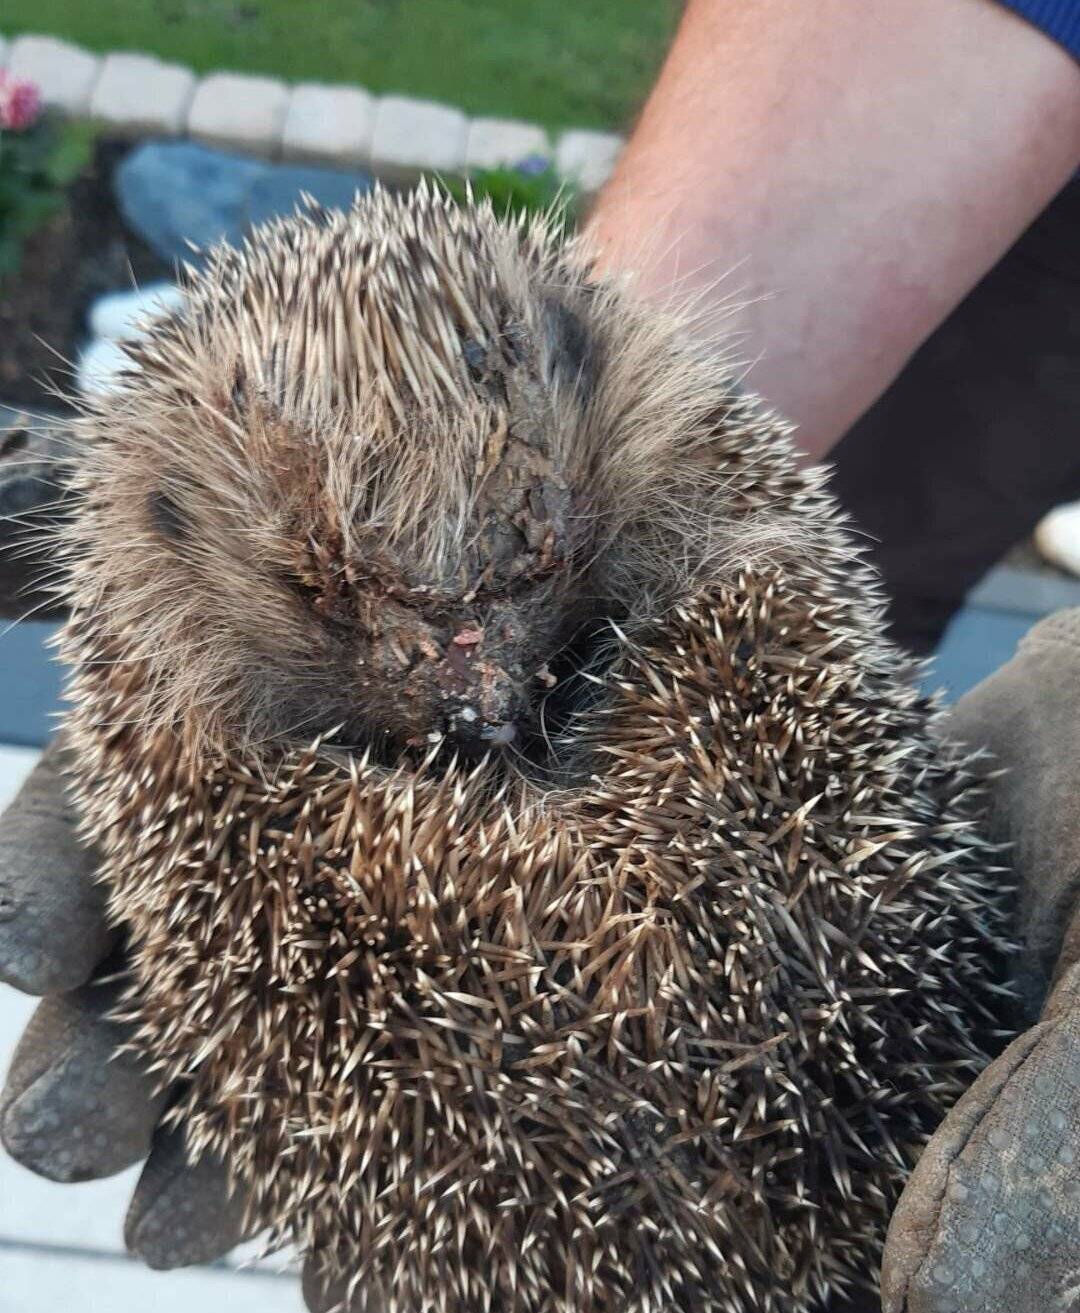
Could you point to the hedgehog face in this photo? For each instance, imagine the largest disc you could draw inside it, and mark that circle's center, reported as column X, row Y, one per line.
column 379, row 471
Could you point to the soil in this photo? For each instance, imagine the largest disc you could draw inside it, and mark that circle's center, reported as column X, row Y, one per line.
column 84, row 250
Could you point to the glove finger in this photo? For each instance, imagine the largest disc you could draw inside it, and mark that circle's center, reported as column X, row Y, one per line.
column 53, row 930
column 181, row 1212
column 990, row 1216
column 73, row 1109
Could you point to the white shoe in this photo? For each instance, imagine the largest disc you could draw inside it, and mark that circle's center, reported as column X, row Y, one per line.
column 1057, row 536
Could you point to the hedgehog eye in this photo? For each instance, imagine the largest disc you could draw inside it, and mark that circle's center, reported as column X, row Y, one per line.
column 165, row 516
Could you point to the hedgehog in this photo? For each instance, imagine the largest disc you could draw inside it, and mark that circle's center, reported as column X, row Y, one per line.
column 541, row 882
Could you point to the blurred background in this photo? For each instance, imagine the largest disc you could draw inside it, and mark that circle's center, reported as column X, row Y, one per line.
column 110, row 166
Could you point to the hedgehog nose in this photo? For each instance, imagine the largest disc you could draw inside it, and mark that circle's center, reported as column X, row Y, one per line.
column 475, row 735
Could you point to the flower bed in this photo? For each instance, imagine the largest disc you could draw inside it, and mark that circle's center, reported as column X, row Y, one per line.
column 62, row 241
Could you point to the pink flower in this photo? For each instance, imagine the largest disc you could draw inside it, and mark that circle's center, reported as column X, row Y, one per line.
column 20, row 104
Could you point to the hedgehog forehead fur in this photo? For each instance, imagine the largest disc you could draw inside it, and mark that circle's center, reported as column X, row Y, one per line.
column 410, row 405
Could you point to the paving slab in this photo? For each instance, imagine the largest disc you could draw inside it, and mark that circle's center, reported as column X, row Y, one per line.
column 31, row 680
column 56, row 1281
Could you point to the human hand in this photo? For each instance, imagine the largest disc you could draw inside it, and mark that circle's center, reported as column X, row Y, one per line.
column 990, row 1219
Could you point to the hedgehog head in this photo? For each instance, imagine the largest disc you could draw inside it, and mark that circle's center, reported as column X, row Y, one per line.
column 381, row 469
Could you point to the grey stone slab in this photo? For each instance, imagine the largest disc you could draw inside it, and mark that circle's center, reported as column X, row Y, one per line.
column 30, row 683
column 417, row 136
column 64, row 73
column 1025, row 592
column 277, row 190
column 172, row 193
column 140, row 96
column 328, row 124
column 238, row 110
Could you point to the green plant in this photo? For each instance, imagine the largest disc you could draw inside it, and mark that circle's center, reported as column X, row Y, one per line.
column 530, row 187
column 40, row 156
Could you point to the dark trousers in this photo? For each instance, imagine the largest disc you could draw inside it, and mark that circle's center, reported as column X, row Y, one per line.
column 979, row 436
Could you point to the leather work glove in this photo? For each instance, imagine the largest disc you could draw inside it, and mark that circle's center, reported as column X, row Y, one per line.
column 990, row 1219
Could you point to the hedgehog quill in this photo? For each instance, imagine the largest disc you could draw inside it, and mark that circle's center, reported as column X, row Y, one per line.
column 541, row 883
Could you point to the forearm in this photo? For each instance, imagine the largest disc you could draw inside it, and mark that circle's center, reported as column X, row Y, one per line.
column 829, row 178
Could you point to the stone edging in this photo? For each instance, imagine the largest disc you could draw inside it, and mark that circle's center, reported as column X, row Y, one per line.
column 396, row 137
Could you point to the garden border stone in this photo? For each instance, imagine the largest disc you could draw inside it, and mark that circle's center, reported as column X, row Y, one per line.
column 494, row 142
column 139, row 95
column 397, row 137
column 65, row 73
column 587, row 157
column 239, row 110
column 413, row 136
column 327, row 124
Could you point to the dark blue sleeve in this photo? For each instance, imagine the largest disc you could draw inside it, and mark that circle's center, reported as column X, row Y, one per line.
column 1059, row 19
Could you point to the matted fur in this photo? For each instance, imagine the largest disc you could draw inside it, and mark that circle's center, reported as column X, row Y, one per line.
column 661, row 1024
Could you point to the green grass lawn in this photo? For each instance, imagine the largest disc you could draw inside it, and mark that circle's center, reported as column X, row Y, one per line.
column 584, row 63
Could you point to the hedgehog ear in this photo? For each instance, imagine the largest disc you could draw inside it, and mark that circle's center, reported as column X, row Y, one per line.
column 569, row 351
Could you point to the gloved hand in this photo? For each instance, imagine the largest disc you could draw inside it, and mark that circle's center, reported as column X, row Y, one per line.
column 990, row 1219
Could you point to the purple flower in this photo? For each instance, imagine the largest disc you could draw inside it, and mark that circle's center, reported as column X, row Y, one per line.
column 532, row 166
column 20, row 104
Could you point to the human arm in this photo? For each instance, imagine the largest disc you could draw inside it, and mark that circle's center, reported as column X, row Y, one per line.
column 829, row 178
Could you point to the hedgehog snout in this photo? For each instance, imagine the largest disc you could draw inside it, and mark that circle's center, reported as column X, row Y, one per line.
column 486, row 704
